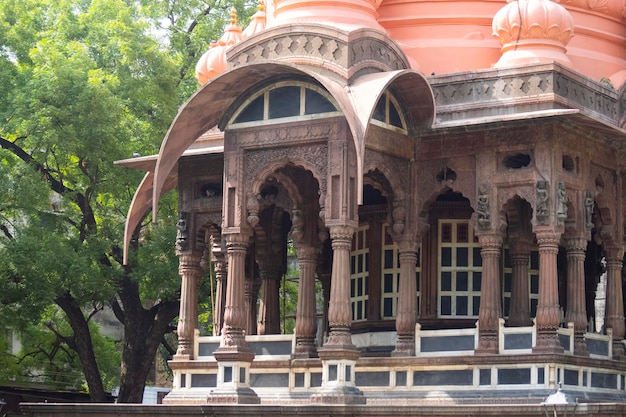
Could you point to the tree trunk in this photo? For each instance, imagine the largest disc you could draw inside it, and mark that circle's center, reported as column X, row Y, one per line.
column 143, row 332
column 81, row 343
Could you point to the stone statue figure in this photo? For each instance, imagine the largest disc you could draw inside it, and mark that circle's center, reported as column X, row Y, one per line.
column 561, row 203
column 543, row 198
column 589, row 209
column 182, row 232
column 484, row 217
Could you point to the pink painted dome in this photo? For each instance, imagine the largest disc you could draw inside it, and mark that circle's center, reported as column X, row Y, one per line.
column 345, row 14
column 213, row 62
column 533, row 31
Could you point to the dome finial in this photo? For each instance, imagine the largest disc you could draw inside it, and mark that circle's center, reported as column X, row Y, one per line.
column 257, row 21
column 533, row 31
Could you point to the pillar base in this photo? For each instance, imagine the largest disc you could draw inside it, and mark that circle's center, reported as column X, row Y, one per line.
column 487, row 344
column 235, row 395
column 618, row 350
column 304, row 352
column 548, row 342
column 339, row 395
column 405, row 346
column 338, row 377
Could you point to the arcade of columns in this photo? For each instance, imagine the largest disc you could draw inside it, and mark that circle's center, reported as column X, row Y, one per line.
column 250, row 252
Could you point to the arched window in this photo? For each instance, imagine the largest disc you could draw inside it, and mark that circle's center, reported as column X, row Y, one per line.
column 387, row 113
column 285, row 101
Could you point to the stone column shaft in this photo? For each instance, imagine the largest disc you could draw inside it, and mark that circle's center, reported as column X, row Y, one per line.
column 220, row 295
column 490, row 294
column 406, row 315
column 548, row 313
column 519, row 311
column 339, row 308
column 190, row 272
column 614, row 301
column 235, row 311
column 306, row 309
column 576, row 309
column 269, row 307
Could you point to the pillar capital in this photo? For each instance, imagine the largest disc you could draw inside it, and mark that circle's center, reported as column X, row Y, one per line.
column 490, row 242
column 575, row 244
column 548, row 237
column 341, row 233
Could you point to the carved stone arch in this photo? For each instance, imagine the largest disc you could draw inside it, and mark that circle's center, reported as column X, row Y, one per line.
column 207, row 224
column 272, row 170
column 392, row 185
column 518, row 212
column 443, row 188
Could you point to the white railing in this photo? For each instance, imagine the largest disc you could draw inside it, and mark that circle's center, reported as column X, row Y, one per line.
column 601, row 338
column 510, row 339
column 569, row 333
column 449, row 342
column 255, row 342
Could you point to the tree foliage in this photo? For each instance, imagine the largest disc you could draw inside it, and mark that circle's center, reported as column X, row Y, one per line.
column 85, row 83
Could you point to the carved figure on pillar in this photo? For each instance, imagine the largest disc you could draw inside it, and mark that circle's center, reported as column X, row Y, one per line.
column 542, row 214
column 588, row 195
column 490, row 295
column 182, row 231
column 483, row 209
column 548, row 311
column 561, row 203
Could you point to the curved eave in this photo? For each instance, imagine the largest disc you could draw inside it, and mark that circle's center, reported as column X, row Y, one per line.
column 205, row 108
column 141, row 204
column 409, row 86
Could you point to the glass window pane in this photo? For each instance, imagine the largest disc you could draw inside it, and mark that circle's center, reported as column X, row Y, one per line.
column 462, row 232
column 506, row 306
column 352, row 288
column 446, row 306
column 317, row 103
column 388, row 307
column 360, row 263
column 388, row 259
column 417, row 281
column 253, row 112
column 462, row 257
column 359, row 310
column 446, row 281
column 352, row 265
column 446, row 256
column 533, row 307
column 379, row 111
column 388, row 283
column 359, row 287
column 367, row 285
column 507, row 259
column 477, row 259
column 394, row 116
column 477, row 277
column 461, row 306
column 507, row 282
column 534, row 260
column 534, row 284
column 475, row 305
column 284, row 102
column 446, row 232
column 461, row 281
column 367, row 262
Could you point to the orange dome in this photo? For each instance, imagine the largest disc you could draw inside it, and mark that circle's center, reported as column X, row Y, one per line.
column 213, row 62
column 257, row 21
column 346, row 14
column 533, row 31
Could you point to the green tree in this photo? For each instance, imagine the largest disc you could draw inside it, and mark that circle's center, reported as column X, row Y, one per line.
column 85, row 83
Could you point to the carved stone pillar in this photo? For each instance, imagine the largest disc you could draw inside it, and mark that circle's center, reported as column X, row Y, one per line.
column 519, row 311
column 490, row 294
column 576, row 308
column 234, row 356
column 406, row 315
column 306, row 310
column 191, row 273
column 269, row 306
column 339, row 354
column 221, row 267
column 252, row 286
column 614, row 301
column 548, row 312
